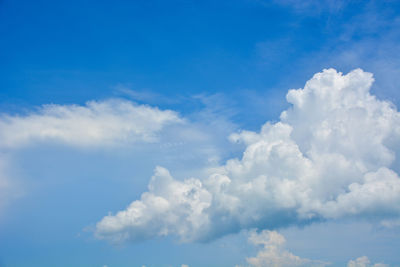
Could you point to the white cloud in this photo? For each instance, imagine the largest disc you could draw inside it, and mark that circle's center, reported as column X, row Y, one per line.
column 364, row 262
column 330, row 156
column 170, row 207
column 273, row 254
column 97, row 123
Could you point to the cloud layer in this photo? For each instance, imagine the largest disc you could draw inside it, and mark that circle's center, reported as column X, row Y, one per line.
column 97, row 123
column 332, row 155
column 364, row 262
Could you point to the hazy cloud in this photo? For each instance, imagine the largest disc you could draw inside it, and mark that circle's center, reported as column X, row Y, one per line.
column 364, row 262
column 4, row 182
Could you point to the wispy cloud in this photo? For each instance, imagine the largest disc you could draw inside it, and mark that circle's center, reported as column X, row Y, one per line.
column 360, row 34
column 146, row 95
column 314, row 7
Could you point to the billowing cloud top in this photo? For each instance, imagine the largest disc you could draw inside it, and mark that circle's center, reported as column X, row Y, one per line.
column 332, row 155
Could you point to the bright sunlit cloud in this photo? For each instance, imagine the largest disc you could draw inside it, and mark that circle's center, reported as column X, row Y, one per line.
column 167, row 133
column 329, row 157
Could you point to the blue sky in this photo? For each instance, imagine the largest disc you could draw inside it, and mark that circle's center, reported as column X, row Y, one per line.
column 94, row 95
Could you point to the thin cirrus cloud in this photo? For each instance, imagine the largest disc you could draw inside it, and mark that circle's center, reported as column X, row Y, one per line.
column 313, row 7
column 332, row 155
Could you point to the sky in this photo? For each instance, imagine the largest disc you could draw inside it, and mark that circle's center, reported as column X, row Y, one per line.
column 243, row 133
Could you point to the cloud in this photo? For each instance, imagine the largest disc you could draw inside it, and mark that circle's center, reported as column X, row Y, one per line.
column 272, row 252
column 368, row 39
column 170, row 207
column 98, row 123
column 331, row 156
column 9, row 188
column 363, row 262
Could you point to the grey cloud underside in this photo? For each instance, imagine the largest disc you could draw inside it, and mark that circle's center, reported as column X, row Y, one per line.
column 332, row 155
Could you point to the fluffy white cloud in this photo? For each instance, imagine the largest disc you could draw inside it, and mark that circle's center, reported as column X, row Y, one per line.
column 332, row 155
column 170, row 207
column 273, row 254
column 364, row 262
column 97, row 123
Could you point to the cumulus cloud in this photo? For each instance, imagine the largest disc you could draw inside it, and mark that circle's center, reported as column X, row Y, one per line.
column 170, row 207
column 96, row 123
column 332, row 155
column 364, row 262
column 273, row 253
